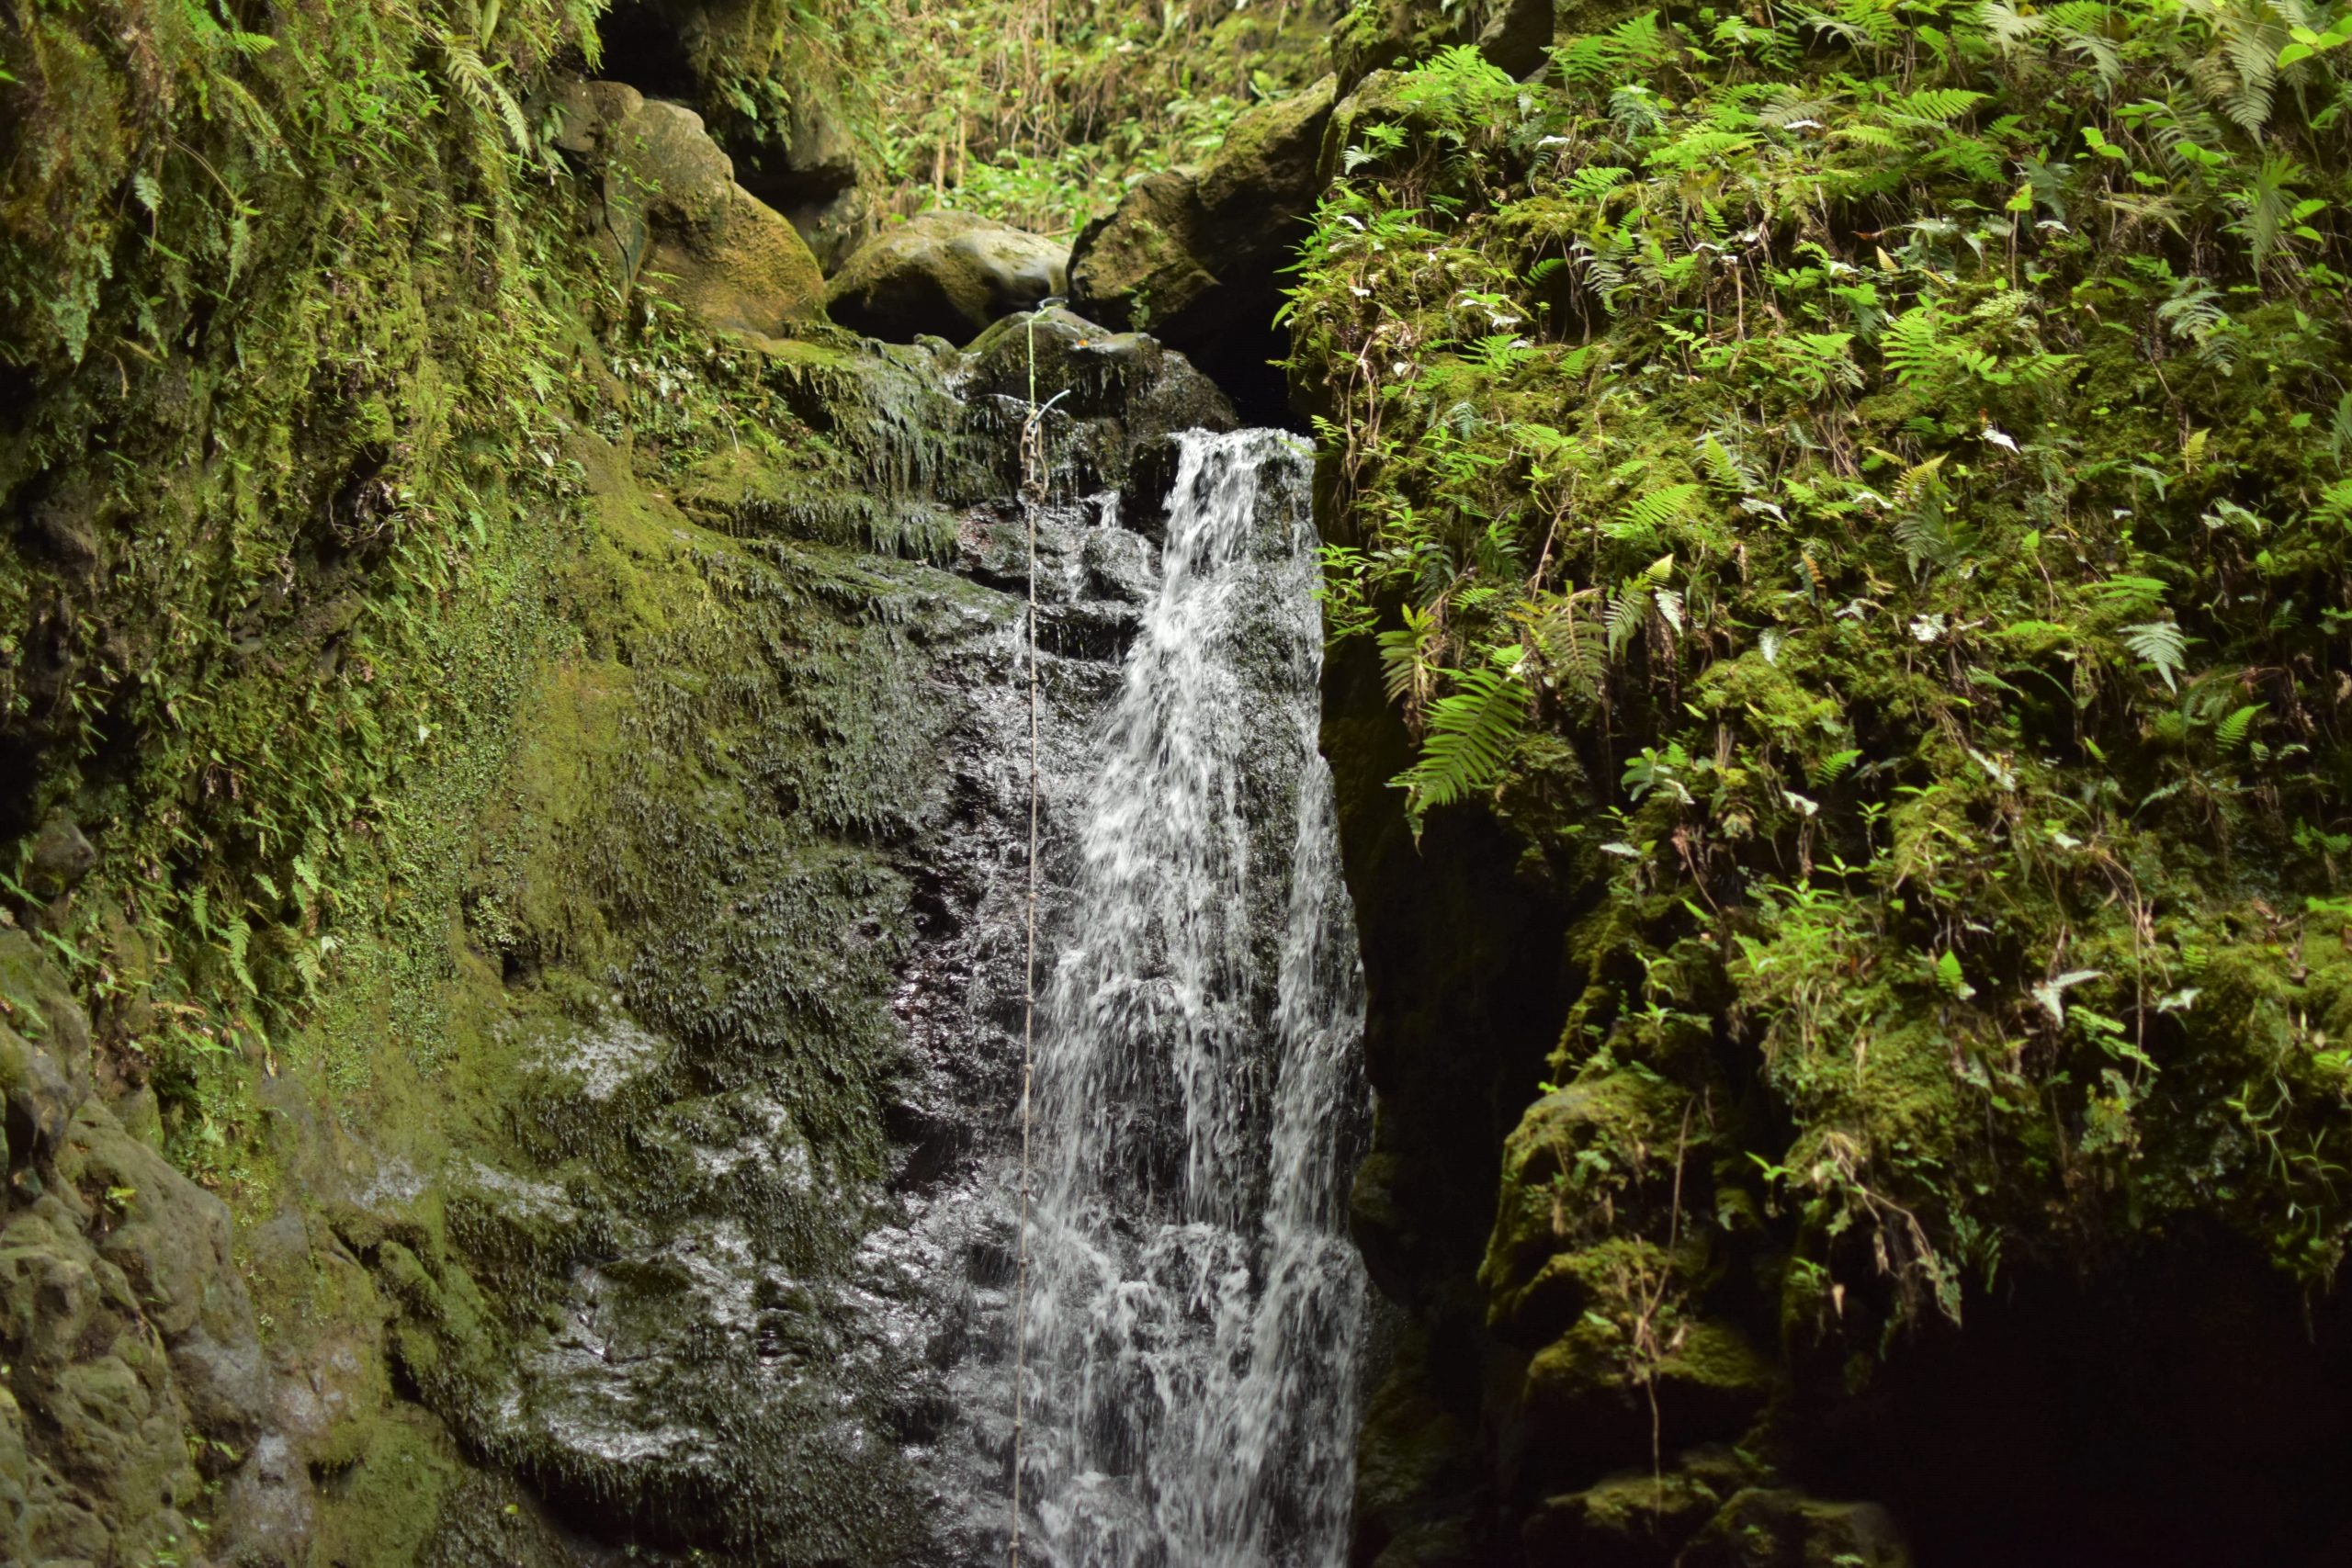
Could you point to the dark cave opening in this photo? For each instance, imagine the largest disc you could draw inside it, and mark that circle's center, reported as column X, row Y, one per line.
column 2189, row 1409
column 645, row 46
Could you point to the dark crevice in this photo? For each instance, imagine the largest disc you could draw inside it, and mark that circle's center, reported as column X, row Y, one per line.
column 644, row 45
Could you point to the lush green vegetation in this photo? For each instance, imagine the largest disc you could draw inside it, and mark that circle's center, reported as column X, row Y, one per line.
column 1043, row 115
column 288, row 315
column 1864, row 490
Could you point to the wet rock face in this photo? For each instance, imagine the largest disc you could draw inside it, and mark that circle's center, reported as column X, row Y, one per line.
column 945, row 274
column 736, row 1279
column 131, row 1371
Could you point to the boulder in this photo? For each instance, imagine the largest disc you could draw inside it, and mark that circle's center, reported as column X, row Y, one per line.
column 1633, row 1520
column 1392, row 34
column 62, row 857
column 1194, row 255
column 944, row 274
column 673, row 215
column 1119, row 397
column 1515, row 36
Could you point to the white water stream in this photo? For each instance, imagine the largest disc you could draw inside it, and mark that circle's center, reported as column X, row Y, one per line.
column 1197, row 1308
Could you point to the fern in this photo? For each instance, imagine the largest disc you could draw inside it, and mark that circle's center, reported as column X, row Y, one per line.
column 2266, row 204
column 1472, row 730
column 2128, row 595
column 1931, row 539
column 2335, row 507
column 1595, row 181
column 1409, row 661
column 1643, row 517
column 2231, row 735
column 1726, row 467
column 474, row 80
column 1913, row 344
column 1921, row 481
column 1936, row 106
column 2162, row 645
column 2010, row 27
column 1569, row 645
column 1634, row 600
column 1627, row 607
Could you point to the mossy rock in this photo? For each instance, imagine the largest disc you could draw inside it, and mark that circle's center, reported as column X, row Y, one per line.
column 1772, row 1529
column 1633, row 1521
column 945, row 274
column 1626, row 1122
column 1186, row 247
column 673, row 214
column 1594, row 1394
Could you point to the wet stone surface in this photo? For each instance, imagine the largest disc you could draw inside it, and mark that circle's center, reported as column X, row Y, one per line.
column 741, row 1284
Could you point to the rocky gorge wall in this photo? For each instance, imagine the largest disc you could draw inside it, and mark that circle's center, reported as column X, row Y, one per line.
column 581, row 946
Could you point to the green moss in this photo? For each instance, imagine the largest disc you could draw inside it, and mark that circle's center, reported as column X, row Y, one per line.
column 382, row 1509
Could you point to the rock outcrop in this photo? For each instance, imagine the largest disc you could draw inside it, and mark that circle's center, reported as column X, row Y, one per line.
column 672, row 214
column 945, row 274
column 816, row 180
column 1192, row 254
column 134, row 1372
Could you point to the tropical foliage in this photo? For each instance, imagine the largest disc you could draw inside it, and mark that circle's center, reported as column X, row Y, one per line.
column 1865, row 490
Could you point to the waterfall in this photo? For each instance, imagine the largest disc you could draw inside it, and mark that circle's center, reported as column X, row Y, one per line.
column 1197, row 1307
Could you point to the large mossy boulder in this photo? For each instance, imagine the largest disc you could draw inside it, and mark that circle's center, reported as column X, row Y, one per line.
column 944, row 274
column 817, row 180
column 1119, row 397
column 1194, row 254
column 672, row 215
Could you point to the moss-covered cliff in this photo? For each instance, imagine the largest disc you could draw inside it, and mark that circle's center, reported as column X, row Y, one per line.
column 501, row 749
column 1855, row 500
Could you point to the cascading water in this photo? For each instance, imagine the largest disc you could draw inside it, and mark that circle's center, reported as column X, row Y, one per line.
column 1194, row 1334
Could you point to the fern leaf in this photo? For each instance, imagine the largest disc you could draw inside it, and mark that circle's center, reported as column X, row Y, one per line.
column 2231, row 735
column 1920, row 479
column 1626, row 608
column 2128, row 596
column 489, row 97
column 1834, row 767
column 1646, row 514
column 1937, row 104
column 1471, row 732
column 2162, row 645
column 1911, row 344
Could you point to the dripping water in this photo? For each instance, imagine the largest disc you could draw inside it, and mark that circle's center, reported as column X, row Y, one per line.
column 1192, row 1343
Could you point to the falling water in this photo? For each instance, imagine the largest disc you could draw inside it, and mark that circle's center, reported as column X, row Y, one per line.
column 1193, row 1336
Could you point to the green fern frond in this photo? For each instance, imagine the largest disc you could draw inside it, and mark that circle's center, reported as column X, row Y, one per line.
column 1936, row 105
column 1913, row 344
column 489, row 97
column 2231, row 735
column 1471, row 732
column 1645, row 515
column 2162, row 645
column 2127, row 595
